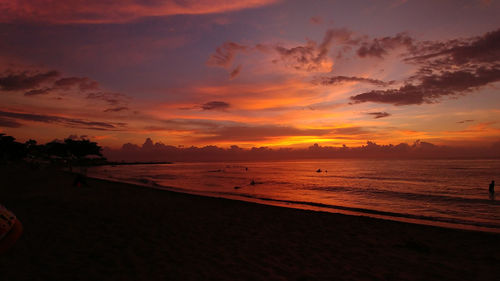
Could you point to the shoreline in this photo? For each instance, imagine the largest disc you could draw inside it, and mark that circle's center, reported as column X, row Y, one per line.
column 117, row 231
column 320, row 207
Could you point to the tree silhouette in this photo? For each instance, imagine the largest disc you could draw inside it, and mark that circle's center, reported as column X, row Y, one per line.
column 68, row 152
column 10, row 150
column 58, row 149
column 81, row 148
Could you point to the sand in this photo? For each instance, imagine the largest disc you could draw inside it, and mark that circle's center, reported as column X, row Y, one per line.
column 115, row 231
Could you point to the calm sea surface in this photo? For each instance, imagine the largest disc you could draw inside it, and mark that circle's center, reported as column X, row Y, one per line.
column 437, row 192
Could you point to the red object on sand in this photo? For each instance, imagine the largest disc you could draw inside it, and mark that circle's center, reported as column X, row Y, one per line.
column 10, row 229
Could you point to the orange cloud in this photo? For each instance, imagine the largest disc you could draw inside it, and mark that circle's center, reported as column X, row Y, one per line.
column 114, row 11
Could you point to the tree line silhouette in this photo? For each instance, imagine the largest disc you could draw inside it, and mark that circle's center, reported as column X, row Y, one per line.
column 69, row 151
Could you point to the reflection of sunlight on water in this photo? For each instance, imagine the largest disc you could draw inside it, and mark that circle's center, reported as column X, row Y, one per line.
column 439, row 189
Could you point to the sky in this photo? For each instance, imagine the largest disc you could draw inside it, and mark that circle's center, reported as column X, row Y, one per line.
column 251, row 73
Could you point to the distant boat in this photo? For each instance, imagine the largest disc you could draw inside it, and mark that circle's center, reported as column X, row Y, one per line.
column 318, row 171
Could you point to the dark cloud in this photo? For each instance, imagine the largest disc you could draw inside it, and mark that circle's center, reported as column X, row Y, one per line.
column 465, row 121
column 316, row 20
column 30, row 82
column 377, row 115
column 235, row 72
column 308, row 57
column 26, row 80
column 116, row 109
column 224, row 55
column 312, row 55
column 449, row 68
column 9, row 123
column 109, row 98
column 470, row 54
column 83, row 83
column 37, row 92
column 342, row 79
column 69, row 122
column 342, row 36
column 476, row 50
column 215, row 105
column 433, row 87
column 380, row 47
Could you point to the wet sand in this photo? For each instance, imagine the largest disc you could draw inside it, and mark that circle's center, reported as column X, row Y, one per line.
column 115, row 231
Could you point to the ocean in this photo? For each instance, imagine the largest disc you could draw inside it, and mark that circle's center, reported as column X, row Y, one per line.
column 450, row 193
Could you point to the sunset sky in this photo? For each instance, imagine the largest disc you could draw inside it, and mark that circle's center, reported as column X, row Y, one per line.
column 251, row 72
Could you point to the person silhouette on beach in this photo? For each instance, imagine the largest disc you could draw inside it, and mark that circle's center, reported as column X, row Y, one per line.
column 492, row 187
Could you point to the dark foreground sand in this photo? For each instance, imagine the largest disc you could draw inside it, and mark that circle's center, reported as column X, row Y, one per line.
column 113, row 231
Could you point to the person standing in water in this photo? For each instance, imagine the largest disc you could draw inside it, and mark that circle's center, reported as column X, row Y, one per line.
column 492, row 187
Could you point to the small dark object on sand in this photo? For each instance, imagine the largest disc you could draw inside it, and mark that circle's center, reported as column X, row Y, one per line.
column 318, row 171
column 252, row 182
column 237, row 187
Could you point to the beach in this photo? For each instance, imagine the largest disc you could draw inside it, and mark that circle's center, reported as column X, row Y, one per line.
column 117, row 231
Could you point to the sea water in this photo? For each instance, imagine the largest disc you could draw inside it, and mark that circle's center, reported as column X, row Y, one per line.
column 437, row 192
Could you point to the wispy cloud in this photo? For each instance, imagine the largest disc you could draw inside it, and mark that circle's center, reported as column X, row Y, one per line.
column 83, row 83
column 379, row 47
column 215, row 105
column 116, row 109
column 333, row 80
column 377, row 115
column 258, row 133
column 36, row 92
column 26, row 80
column 68, row 122
column 9, row 123
column 311, row 56
column 465, row 121
column 235, row 72
column 109, row 98
column 97, row 11
column 224, row 55
column 316, row 20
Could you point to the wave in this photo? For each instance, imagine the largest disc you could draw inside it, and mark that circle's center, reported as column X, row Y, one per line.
column 379, row 178
column 405, row 195
column 369, row 211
